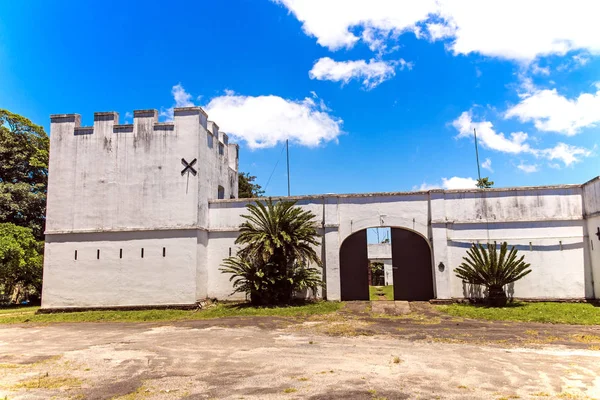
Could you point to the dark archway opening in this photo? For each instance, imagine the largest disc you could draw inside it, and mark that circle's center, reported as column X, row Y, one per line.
column 411, row 265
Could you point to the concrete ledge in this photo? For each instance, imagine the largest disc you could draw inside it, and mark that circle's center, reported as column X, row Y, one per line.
column 54, row 310
column 106, row 116
column 422, row 194
column 60, row 118
column 152, row 113
column 524, row 300
column 189, row 111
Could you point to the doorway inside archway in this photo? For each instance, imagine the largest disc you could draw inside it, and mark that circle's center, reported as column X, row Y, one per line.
column 379, row 252
column 365, row 254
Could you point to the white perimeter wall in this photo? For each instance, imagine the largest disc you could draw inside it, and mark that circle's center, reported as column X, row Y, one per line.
column 545, row 224
column 591, row 197
column 113, row 281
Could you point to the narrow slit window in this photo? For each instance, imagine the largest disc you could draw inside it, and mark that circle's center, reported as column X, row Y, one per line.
column 75, row 255
column 98, row 254
column 142, row 252
column 230, row 252
column 120, row 253
column 164, row 251
column 220, row 192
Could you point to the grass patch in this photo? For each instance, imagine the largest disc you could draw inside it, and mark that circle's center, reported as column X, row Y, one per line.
column 555, row 313
column 49, row 382
column 139, row 393
column 218, row 311
column 381, row 292
column 586, row 338
column 18, row 309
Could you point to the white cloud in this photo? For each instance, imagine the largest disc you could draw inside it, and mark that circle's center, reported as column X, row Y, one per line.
column 450, row 183
column 182, row 99
column 426, row 186
column 488, row 137
column 581, row 59
column 372, row 73
column 537, row 70
column 510, row 29
column 528, row 168
column 568, row 154
column 550, row 111
column 459, row 183
column 264, row 121
column 487, row 164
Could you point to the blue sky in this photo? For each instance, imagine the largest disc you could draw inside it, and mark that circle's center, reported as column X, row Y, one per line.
column 374, row 96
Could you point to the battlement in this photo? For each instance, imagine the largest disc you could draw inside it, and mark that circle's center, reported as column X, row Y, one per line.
column 141, row 118
column 146, row 130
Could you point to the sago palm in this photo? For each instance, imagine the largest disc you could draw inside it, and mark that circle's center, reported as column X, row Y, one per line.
column 278, row 241
column 488, row 268
column 276, row 231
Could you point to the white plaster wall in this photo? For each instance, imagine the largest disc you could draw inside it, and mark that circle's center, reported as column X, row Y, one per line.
column 125, row 183
column 591, row 200
column 403, row 210
column 555, row 273
column 550, row 218
column 388, row 272
column 515, row 204
column 113, row 281
column 219, row 247
column 123, row 177
column 379, row 250
column 593, row 251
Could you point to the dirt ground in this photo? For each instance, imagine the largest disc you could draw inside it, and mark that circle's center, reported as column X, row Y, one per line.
column 345, row 355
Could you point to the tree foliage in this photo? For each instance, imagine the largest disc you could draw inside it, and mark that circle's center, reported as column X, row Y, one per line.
column 23, row 172
column 274, row 262
column 484, row 266
column 484, row 183
column 377, row 273
column 247, row 189
column 21, row 260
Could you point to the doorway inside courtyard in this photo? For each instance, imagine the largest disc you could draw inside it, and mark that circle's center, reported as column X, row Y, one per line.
column 386, row 263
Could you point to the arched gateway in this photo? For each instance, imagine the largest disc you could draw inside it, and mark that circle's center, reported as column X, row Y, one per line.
column 411, row 260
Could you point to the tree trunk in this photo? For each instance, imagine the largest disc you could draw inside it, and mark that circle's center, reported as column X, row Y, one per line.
column 497, row 296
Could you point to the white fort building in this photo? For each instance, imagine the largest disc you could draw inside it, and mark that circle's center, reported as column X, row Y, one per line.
column 143, row 215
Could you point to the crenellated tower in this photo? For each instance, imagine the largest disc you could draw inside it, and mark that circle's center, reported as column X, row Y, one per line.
column 127, row 215
column 145, row 175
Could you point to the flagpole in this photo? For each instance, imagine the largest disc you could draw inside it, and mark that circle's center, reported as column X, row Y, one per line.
column 477, row 156
column 287, row 149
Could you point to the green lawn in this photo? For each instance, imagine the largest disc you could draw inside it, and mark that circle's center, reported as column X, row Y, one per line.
column 388, row 291
column 17, row 309
column 557, row 313
column 27, row 315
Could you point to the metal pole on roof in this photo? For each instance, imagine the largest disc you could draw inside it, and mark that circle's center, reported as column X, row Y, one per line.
column 477, row 156
column 287, row 149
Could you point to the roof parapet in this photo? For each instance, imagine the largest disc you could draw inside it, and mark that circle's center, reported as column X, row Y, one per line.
column 107, row 116
column 66, row 118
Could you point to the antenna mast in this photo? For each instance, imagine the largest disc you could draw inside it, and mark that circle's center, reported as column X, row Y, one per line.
column 287, row 149
column 477, row 156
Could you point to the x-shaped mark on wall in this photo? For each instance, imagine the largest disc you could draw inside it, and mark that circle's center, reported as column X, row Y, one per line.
column 189, row 167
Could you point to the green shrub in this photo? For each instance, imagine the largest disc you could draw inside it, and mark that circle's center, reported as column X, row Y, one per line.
column 494, row 271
